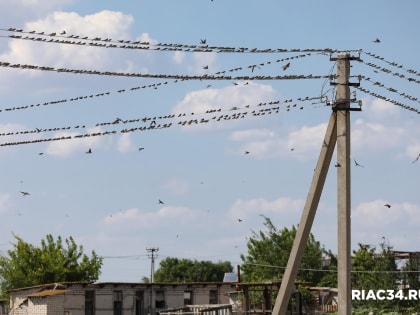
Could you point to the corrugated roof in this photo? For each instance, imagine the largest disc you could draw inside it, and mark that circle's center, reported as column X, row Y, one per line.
column 48, row 293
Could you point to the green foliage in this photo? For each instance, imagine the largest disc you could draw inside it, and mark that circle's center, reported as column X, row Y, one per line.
column 27, row 265
column 268, row 253
column 186, row 270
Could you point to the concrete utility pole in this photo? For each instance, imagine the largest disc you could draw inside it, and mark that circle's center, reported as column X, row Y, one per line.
column 338, row 131
column 152, row 250
column 342, row 108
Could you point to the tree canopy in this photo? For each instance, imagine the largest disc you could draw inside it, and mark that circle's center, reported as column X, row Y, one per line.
column 268, row 253
column 54, row 261
column 186, row 270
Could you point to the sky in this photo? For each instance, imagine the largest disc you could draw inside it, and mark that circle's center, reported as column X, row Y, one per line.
column 172, row 158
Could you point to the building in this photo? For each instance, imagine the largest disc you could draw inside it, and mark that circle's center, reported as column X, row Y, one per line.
column 115, row 298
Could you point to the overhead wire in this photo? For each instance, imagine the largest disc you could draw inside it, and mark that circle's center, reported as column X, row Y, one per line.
column 146, row 86
column 54, row 38
column 153, row 123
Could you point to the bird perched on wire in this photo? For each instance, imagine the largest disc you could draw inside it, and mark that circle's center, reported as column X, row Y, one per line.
column 203, row 41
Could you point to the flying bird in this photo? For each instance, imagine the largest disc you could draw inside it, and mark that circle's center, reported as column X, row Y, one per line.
column 25, row 193
column 205, row 67
column 287, row 65
column 141, row 149
column 357, row 164
column 387, row 205
column 89, row 151
column 377, row 41
column 239, row 220
column 417, row 158
column 161, row 202
column 246, row 152
column 203, row 41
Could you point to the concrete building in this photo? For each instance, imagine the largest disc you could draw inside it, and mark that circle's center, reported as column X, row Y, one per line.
column 114, row 298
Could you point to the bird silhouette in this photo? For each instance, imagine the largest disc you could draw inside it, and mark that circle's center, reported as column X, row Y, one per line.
column 357, row 164
column 205, row 67
column 417, row 158
column 25, row 193
column 203, row 41
column 246, row 152
column 161, row 202
column 89, row 151
column 377, row 41
column 140, row 149
column 239, row 220
column 337, row 165
column 287, row 65
column 387, row 205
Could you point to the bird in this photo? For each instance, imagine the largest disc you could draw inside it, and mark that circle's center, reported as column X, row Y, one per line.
column 417, row 158
column 357, row 164
column 63, row 32
column 387, row 205
column 140, row 149
column 203, row 41
column 205, row 67
column 25, row 193
column 89, row 151
column 161, row 202
column 246, row 152
column 377, row 41
column 239, row 220
column 287, row 65
column 337, row 165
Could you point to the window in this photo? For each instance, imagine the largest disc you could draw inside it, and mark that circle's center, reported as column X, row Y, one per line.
column 160, row 300
column 213, row 297
column 90, row 302
column 139, row 302
column 188, row 298
column 118, row 298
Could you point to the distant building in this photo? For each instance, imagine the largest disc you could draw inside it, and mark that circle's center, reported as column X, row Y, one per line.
column 115, row 298
column 3, row 307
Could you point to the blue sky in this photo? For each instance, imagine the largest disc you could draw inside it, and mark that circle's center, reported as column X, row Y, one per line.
column 109, row 200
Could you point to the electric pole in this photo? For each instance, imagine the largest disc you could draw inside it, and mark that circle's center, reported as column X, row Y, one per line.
column 338, row 131
column 152, row 250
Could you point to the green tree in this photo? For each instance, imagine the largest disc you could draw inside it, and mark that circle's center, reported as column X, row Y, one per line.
column 373, row 270
column 180, row 270
column 54, row 261
column 268, row 253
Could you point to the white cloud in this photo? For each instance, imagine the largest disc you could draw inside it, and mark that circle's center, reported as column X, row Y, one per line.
column 64, row 148
column 223, row 101
column 138, row 219
column 267, row 144
column 5, row 203
column 125, row 144
column 398, row 224
column 284, row 207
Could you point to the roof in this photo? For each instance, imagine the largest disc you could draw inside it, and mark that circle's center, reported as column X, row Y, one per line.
column 48, row 293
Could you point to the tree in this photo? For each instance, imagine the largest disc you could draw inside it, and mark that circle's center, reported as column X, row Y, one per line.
column 268, row 253
column 375, row 271
column 27, row 265
column 186, row 270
